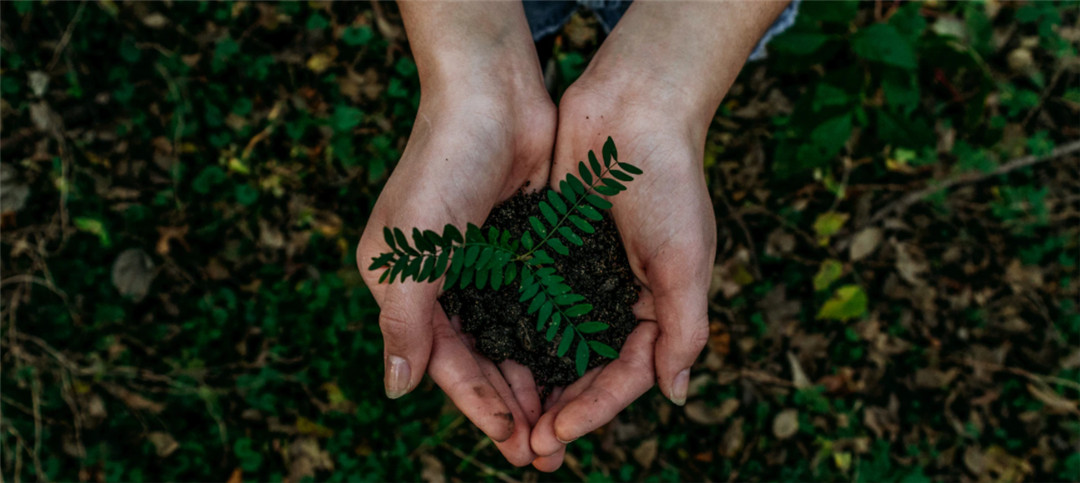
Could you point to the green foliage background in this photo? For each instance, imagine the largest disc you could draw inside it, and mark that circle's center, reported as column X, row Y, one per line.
column 232, row 151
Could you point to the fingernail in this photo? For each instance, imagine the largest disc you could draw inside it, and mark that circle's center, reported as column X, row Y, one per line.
column 680, row 386
column 557, row 438
column 397, row 377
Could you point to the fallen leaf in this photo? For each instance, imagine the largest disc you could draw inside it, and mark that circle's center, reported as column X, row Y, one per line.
column 1055, row 403
column 169, row 233
column 163, row 442
column 848, row 302
column 13, row 194
column 732, row 441
column 798, row 377
column 828, row 224
column 830, row 271
column 646, row 452
column 306, row 457
column 930, row 378
column 432, row 469
column 155, row 20
column 864, row 243
column 307, row 426
column 701, row 413
column 134, row 400
column 910, row 263
column 39, row 82
column 786, row 424
column 132, row 273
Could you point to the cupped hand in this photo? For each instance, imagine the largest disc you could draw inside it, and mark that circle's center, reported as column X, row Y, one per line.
column 467, row 152
column 665, row 219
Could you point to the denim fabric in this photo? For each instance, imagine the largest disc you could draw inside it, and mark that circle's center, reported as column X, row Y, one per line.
column 547, row 16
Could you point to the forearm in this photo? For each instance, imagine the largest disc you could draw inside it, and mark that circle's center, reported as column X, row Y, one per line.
column 686, row 53
column 471, row 44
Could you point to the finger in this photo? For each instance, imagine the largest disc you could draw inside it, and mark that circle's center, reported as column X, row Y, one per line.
column 550, row 463
column 645, row 307
column 619, row 384
column 544, row 442
column 457, row 372
column 684, row 329
column 522, row 383
column 516, row 448
column 405, row 322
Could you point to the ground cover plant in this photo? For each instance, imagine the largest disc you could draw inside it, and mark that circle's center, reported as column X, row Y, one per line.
column 182, row 186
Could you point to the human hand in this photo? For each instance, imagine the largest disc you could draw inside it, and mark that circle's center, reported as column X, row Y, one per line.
column 485, row 128
column 666, row 221
column 654, row 87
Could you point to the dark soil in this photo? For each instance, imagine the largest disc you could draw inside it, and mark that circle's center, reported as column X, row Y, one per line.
column 598, row 270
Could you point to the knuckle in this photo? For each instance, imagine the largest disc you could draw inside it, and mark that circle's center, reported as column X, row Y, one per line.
column 698, row 335
column 393, row 320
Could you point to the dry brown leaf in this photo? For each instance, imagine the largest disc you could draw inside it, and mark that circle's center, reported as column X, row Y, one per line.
column 701, row 413
column 432, row 469
column 132, row 273
column 786, row 424
column 134, row 400
column 1055, row 403
column 864, row 243
column 931, row 378
column 169, row 233
column 732, row 441
column 798, row 377
column 155, row 20
column 646, row 452
column 306, row 457
column 163, row 443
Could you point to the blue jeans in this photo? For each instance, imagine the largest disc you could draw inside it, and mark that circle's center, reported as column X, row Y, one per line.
column 547, row 16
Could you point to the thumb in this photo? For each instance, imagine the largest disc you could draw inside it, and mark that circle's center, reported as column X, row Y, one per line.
column 405, row 322
column 682, row 314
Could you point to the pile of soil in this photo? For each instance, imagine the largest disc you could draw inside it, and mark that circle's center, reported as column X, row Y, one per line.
column 598, row 270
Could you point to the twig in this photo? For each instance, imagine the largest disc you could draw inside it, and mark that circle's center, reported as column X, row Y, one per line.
column 1046, row 94
column 1020, row 372
column 483, row 467
column 1022, row 162
column 66, row 37
column 737, row 216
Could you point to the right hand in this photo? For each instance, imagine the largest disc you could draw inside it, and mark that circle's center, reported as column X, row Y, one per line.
column 472, row 146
